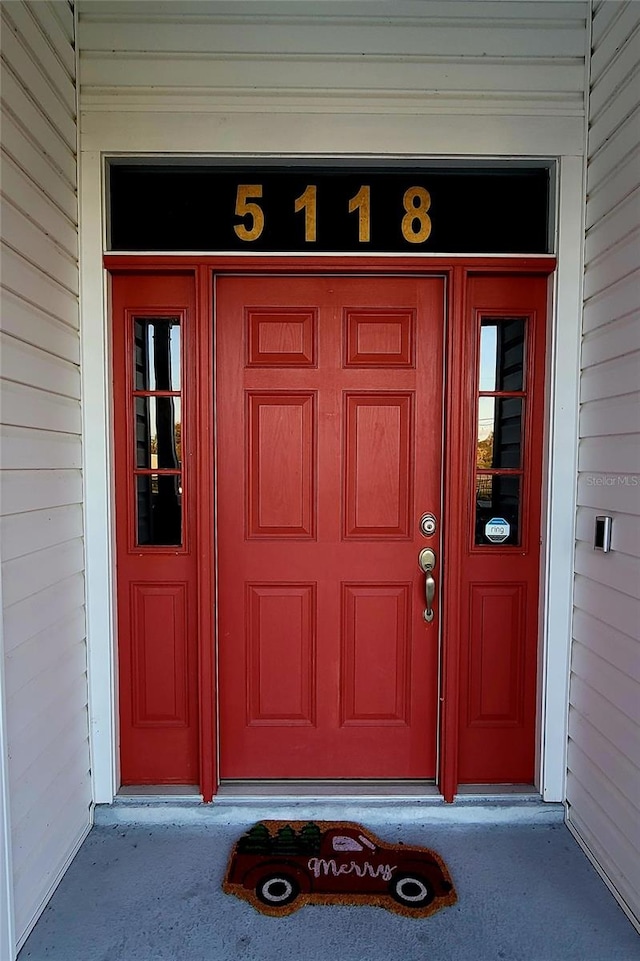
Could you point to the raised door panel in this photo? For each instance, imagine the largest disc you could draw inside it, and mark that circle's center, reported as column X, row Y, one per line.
column 281, row 338
column 497, row 654
column 379, row 337
column 378, row 483
column 281, row 464
column 376, row 654
column 159, row 655
column 281, row 653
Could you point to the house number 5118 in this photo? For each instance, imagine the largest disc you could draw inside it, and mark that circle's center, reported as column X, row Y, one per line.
column 415, row 224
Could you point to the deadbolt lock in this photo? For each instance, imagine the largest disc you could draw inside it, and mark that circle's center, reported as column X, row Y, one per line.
column 428, row 524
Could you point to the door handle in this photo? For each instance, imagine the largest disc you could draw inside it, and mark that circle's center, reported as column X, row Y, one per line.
column 426, row 562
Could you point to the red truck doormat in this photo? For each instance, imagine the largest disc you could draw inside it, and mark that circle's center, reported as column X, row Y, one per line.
column 279, row 866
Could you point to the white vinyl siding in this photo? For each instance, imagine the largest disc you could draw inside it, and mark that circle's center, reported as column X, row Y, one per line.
column 41, row 530
column 604, row 715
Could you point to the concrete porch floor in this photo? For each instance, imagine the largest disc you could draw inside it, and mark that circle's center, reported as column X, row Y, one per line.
column 146, row 886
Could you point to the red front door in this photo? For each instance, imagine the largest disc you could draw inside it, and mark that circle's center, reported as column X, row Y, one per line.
column 329, row 440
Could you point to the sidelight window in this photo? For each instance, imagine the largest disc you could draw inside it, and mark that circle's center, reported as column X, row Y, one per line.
column 502, row 399
column 157, row 406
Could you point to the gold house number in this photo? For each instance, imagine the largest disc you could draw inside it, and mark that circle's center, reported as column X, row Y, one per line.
column 416, row 222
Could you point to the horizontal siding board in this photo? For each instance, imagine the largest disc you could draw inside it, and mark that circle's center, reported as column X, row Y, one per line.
column 34, row 162
column 398, row 40
column 40, row 570
column 285, row 12
column 29, row 365
column 63, row 11
column 50, row 21
column 617, row 262
column 41, row 330
column 22, row 534
column 622, row 71
column 39, row 654
column 27, row 449
column 55, row 778
column 42, row 695
column 615, row 152
column 606, row 454
column 34, row 200
column 605, row 13
column 370, row 74
column 620, row 809
column 618, row 415
column 610, row 379
column 619, row 650
column 25, row 407
column 625, row 533
column 619, row 687
column 22, row 20
column 35, row 125
column 30, row 283
column 611, row 607
column 614, row 725
column 619, row 221
column 35, row 490
column 616, row 301
column 621, row 107
column 622, row 772
column 29, row 240
column 607, row 45
column 31, row 616
column 29, row 75
column 607, row 493
column 46, row 729
column 617, row 339
column 617, row 571
column 29, row 815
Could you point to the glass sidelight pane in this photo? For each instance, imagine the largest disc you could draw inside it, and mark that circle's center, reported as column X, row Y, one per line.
column 157, row 354
column 502, row 353
column 158, row 432
column 497, row 498
column 159, row 509
column 499, row 437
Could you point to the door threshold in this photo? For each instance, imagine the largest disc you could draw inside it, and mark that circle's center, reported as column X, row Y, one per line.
column 497, row 791
column 160, row 792
column 361, row 788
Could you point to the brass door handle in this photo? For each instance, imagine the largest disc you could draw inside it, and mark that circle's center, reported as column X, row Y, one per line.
column 426, row 562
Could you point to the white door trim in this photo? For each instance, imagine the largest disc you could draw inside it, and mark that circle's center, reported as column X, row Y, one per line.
column 559, row 494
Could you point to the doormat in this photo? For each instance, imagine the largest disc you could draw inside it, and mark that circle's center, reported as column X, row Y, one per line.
column 279, row 866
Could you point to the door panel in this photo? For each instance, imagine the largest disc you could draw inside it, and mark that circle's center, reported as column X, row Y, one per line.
column 500, row 572
column 329, row 419
column 153, row 335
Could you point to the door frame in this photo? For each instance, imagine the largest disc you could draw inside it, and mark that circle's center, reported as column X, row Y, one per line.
column 456, row 271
